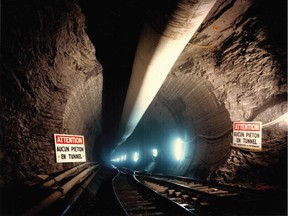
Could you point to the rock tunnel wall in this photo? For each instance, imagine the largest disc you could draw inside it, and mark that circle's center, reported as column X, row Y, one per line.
column 242, row 54
column 206, row 122
column 233, row 69
column 186, row 108
column 82, row 113
column 48, row 72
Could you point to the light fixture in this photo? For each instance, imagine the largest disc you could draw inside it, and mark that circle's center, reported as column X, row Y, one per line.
column 154, row 152
column 178, row 149
column 136, row 156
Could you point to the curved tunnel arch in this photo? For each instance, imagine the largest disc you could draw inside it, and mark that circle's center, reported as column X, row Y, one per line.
column 41, row 66
column 194, row 114
column 82, row 113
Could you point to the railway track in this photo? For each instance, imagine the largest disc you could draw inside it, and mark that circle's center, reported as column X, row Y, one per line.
column 137, row 199
column 197, row 197
column 125, row 192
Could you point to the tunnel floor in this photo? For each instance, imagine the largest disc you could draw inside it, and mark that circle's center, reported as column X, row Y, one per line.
column 99, row 199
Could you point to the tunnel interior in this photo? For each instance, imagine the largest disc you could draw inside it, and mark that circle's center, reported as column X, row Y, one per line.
column 193, row 114
column 66, row 67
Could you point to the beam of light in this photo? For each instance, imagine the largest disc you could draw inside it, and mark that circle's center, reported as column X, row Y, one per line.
column 155, row 56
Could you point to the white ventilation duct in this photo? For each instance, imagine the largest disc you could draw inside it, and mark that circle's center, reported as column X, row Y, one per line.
column 155, row 55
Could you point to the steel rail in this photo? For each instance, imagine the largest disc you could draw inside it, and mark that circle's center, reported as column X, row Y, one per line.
column 215, row 198
column 162, row 204
column 115, row 194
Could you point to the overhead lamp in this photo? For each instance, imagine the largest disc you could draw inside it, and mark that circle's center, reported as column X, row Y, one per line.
column 154, row 152
column 178, row 149
column 136, row 156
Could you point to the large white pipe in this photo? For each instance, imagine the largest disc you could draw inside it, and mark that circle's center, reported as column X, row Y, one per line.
column 156, row 53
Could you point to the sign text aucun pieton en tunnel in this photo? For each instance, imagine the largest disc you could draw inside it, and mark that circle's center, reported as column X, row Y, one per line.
column 69, row 148
column 247, row 135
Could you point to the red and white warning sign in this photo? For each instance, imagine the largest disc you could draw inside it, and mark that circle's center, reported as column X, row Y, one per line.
column 69, row 148
column 247, row 135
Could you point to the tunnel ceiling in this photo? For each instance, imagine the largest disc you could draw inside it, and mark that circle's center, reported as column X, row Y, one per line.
column 231, row 41
column 66, row 69
column 224, row 74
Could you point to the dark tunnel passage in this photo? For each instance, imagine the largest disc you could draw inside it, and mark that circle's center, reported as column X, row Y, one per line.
column 109, row 28
column 115, row 34
column 206, row 135
column 66, row 68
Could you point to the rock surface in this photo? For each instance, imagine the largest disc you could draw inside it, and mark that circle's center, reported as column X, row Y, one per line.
column 233, row 69
column 51, row 83
column 241, row 52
